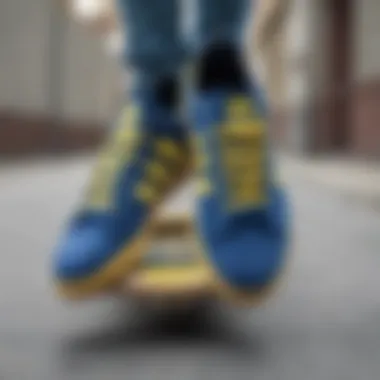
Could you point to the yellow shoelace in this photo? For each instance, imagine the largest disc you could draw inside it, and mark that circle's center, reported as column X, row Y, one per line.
column 162, row 168
column 166, row 165
column 242, row 151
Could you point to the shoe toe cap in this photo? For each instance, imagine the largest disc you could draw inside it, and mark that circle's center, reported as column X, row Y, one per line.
column 79, row 256
column 252, row 262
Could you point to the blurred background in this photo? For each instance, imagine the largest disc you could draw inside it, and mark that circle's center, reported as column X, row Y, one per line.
column 60, row 86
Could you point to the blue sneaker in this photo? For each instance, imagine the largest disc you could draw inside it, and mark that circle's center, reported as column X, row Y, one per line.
column 145, row 158
column 242, row 214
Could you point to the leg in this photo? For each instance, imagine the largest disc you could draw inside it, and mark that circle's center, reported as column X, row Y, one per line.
column 146, row 156
column 242, row 211
column 221, row 20
column 154, row 45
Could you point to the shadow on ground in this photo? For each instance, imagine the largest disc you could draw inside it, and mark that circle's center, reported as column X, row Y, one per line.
column 141, row 328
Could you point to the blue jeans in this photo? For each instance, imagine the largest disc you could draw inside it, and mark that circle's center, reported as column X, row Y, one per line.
column 156, row 43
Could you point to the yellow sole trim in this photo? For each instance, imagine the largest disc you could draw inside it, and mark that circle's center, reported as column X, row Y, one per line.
column 109, row 276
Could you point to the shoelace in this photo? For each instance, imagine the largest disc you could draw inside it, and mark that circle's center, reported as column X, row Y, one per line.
column 162, row 170
column 242, row 154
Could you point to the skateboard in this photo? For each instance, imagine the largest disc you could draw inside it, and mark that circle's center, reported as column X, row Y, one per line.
column 171, row 272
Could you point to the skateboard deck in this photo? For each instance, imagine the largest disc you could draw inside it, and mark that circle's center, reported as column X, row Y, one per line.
column 172, row 268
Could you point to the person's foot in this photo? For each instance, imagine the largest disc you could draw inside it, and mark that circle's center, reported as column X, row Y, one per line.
column 146, row 156
column 242, row 216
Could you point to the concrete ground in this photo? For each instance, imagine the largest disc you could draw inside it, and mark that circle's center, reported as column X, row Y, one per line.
column 358, row 180
column 324, row 323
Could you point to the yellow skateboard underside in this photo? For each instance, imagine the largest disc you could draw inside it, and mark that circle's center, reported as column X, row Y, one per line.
column 172, row 267
column 166, row 281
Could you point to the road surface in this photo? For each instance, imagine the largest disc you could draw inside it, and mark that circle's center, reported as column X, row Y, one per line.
column 324, row 323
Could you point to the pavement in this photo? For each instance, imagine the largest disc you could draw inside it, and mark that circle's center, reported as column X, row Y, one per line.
column 324, row 322
column 356, row 179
